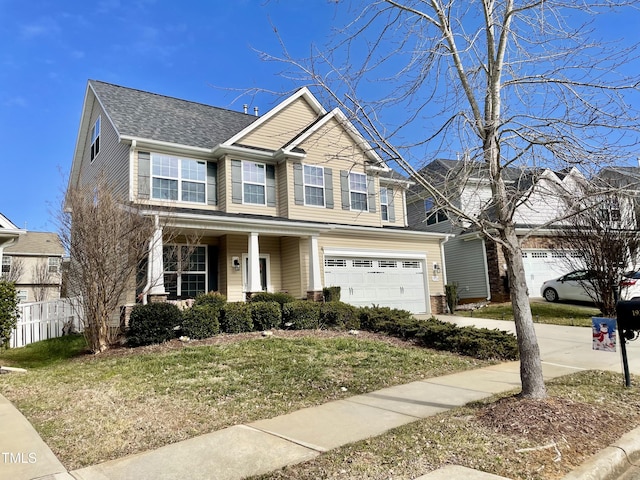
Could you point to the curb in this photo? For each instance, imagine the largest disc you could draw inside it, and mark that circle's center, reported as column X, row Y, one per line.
column 611, row 462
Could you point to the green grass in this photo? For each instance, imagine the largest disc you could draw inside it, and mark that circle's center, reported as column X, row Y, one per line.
column 543, row 312
column 45, row 353
column 94, row 408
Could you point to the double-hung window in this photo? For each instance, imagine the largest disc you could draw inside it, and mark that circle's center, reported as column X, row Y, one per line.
column 384, row 203
column 358, row 191
column 313, row 185
column 54, row 264
column 175, row 178
column 185, row 270
column 253, row 183
column 95, row 139
column 6, row 264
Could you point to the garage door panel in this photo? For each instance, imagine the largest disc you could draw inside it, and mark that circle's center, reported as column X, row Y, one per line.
column 378, row 281
column 541, row 265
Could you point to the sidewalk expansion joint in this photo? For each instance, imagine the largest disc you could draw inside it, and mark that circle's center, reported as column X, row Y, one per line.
column 300, row 443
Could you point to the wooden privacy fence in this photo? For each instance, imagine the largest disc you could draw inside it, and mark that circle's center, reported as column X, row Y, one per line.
column 44, row 320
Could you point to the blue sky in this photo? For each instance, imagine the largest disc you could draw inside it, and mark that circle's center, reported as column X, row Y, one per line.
column 186, row 49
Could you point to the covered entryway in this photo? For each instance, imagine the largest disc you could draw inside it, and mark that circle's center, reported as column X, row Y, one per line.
column 541, row 265
column 389, row 282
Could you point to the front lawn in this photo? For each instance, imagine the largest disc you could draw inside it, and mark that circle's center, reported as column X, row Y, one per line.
column 90, row 409
column 543, row 312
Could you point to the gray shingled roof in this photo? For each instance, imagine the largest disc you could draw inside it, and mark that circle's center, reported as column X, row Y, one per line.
column 156, row 117
column 37, row 243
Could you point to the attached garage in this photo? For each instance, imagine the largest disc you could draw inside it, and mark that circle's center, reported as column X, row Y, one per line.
column 541, row 265
column 388, row 281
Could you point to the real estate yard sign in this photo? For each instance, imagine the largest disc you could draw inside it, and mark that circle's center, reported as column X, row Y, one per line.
column 604, row 334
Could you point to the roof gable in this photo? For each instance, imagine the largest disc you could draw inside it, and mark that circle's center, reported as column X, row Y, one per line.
column 37, row 243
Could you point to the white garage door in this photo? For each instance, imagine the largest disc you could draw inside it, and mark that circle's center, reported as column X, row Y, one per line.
column 388, row 282
column 542, row 265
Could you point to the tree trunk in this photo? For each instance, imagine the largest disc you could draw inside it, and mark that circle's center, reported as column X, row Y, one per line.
column 530, row 363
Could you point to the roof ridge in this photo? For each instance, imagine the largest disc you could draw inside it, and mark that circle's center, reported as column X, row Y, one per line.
column 170, row 97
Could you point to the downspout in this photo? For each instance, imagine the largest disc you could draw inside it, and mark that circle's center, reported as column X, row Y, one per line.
column 486, row 269
column 132, row 152
column 444, row 263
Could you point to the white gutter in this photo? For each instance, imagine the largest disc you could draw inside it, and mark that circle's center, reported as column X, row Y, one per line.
column 390, row 232
column 167, row 145
column 132, row 152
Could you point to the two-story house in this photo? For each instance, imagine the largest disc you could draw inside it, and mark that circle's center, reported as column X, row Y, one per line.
column 34, row 263
column 9, row 235
column 475, row 262
column 293, row 200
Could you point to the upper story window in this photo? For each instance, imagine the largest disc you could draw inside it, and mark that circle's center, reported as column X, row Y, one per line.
column 54, row 264
column 95, row 139
column 176, row 178
column 384, row 203
column 358, row 191
column 434, row 215
column 253, row 182
column 313, row 185
column 6, row 264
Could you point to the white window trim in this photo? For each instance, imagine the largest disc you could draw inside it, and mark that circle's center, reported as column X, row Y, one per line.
column 305, row 185
column 7, row 260
column 384, row 204
column 179, row 179
column 53, row 264
column 98, row 122
column 22, row 296
column 365, row 192
column 248, row 182
column 180, row 271
column 245, row 274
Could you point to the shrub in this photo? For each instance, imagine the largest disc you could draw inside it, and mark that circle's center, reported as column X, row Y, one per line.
column 153, row 323
column 339, row 315
column 201, row 321
column 376, row 319
column 331, row 294
column 301, row 315
column 280, row 297
column 236, row 318
column 266, row 315
column 451, row 292
column 215, row 299
column 8, row 311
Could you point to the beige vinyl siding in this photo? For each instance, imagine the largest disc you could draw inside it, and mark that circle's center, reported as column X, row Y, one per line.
column 236, row 246
column 282, row 127
column 291, row 267
column 331, row 147
column 224, row 182
column 225, row 269
column 112, row 159
column 390, row 244
column 282, row 192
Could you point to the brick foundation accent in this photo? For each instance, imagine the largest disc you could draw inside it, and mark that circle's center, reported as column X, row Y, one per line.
column 125, row 314
column 438, row 304
column 315, row 295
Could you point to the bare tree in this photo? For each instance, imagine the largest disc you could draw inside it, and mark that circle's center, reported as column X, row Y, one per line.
column 106, row 240
column 506, row 83
column 603, row 239
column 41, row 279
column 16, row 270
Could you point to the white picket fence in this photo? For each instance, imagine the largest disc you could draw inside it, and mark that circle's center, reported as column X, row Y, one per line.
column 44, row 320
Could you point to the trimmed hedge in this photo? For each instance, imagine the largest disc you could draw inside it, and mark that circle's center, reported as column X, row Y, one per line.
column 236, row 318
column 382, row 319
column 339, row 315
column 331, row 294
column 214, row 299
column 153, row 323
column 280, row 297
column 266, row 315
column 201, row 321
column 301, row 315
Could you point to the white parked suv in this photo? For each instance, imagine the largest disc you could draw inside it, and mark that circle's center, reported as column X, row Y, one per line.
column 572, row 286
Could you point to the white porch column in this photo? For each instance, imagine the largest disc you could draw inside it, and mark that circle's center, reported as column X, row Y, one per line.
column 155, row 269
column 253, row 274
column 315, row 283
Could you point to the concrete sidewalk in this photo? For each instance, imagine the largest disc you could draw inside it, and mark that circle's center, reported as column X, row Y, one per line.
column 267, row 445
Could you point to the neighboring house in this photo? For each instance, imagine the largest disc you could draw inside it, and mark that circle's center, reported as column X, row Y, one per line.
column 34, row 263
column 475, row 263
column 294, row 200
column 9, row 235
